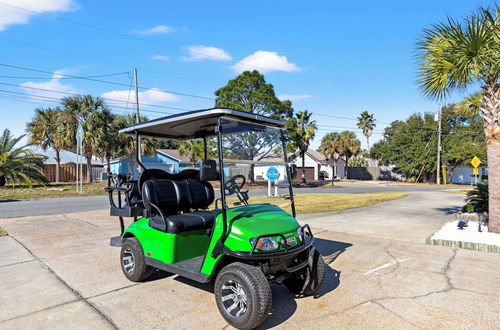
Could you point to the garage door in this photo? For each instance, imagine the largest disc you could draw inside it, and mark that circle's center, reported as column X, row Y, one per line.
column 309, row 174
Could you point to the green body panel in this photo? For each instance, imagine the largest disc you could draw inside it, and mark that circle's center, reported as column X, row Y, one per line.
column 244, row 223
column 169, row 248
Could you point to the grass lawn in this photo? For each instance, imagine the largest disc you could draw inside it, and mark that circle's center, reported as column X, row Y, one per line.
column 2, row 232
column 456, row 191
column 313, row 203
column 50, row 191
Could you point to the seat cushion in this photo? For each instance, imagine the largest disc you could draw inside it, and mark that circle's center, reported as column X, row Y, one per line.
column 180, row 223
column 170, row 196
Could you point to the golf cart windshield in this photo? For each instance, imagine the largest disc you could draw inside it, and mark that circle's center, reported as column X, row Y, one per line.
column 255, row 170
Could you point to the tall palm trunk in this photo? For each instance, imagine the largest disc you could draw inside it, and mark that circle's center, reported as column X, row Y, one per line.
column 346, row 168
column 491, row 116
column 303, row 167
column 58, row 164
column 368, row 142
column 88, row 155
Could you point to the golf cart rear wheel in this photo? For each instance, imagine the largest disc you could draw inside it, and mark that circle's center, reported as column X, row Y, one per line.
column 243, row 295
column 132, row 261
column 307, row 281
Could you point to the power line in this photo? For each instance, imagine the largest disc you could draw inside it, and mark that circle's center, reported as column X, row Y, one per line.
column 104, row 81
column 48, row 78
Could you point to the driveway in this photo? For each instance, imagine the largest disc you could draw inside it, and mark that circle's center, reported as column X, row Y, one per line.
column 59, row 271
column 48, row 206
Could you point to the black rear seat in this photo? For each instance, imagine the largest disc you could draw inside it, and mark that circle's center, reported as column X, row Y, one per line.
column 175, row 206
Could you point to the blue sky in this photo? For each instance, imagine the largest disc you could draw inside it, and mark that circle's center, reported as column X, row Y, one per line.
column 330, row 57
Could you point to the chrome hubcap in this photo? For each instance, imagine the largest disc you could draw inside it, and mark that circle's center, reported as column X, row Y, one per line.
column 128, row 261
column 234, row 298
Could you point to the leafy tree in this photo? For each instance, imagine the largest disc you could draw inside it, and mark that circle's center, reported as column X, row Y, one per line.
column 195, row 149
column 409, row 145
column 303, row 132
column 455, row 55
column 47, row 130
column 331, row 149
column 94, row 115
column 358, row 161
column 250, row 92
column 367, row 123
column 350, row 146
column 19, row 163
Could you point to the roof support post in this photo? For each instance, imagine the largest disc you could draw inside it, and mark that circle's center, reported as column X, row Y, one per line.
column 288, row 172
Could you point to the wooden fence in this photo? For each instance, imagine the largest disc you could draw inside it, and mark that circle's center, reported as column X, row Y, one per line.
column 67, row 172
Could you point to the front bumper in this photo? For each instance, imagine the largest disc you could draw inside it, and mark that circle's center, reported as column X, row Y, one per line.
column 281, row 256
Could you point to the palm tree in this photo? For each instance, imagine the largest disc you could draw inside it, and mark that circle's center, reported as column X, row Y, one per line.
column 46, row 129
column 330, row 148
column 19, row 163
column 195, row 149
column 367, row 123
column 126, row 143
column 302, row 134
column 455, row 55
column 94, row 115
column 350, row 146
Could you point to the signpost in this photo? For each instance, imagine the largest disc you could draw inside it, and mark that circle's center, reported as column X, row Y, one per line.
column 475, row 171
column 272, row 175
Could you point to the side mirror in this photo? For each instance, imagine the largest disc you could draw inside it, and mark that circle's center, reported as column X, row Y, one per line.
column 293, row 171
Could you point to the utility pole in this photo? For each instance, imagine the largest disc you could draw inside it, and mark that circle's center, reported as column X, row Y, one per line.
column 438, row 167
column 137, row 118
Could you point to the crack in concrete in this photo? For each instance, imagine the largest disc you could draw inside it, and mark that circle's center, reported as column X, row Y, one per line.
column 399, row 316
column 75, row 292
column 18, row 263
column 40, row 310
column 111, row 291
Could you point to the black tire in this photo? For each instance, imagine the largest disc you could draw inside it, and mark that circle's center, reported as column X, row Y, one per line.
column 307, row 281
column 253, row 295
column 132, row 261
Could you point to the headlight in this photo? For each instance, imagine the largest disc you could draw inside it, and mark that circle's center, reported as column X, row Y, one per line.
column 299, row 233
column 265, row 244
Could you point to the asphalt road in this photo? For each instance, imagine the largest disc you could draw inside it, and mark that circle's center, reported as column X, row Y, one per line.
column 49, row 206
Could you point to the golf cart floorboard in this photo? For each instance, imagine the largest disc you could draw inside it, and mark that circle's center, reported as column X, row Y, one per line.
column 189, row 268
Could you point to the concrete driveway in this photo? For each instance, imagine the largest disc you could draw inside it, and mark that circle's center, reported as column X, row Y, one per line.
column 60, row 272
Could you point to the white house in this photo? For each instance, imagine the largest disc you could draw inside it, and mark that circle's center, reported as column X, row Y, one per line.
column 315, row 163
column 464, row 175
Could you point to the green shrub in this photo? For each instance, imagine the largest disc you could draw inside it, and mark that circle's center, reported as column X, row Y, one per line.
column 477, row 199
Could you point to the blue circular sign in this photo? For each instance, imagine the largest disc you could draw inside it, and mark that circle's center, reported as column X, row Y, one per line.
column 272, row 173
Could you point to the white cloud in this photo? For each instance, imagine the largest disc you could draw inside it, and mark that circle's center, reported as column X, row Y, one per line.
column 265, row 61
column 159, row 29
column 150, row 96
column 48, row 88
column 161, row 58
column 291, row 97
column 11, row 15
column 198, row 53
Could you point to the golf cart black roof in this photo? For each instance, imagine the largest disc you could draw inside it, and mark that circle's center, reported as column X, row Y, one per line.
column 200, row 123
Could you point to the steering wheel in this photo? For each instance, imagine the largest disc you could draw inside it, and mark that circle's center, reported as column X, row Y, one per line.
column 231, row 186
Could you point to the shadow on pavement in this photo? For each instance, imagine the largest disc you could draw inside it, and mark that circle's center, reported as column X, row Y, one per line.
column 9, row 200
column 449, row 210
column 284, row 302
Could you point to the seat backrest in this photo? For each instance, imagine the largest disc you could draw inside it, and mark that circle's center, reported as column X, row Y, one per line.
column 208, row 170
column 201, row 193
column 155, row 173
column 170, row 196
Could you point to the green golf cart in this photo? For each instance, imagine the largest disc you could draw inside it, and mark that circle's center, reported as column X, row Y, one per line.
column 181, row 225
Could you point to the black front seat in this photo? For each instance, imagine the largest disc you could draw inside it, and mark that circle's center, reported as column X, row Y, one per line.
column 165, row 199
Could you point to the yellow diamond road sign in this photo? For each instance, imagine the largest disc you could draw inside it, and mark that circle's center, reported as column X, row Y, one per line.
column 475, row 161
column 475, row 171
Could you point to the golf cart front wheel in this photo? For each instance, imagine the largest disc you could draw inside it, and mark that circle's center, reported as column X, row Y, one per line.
column 307, row 281
column 132, row 261
column 243, row 295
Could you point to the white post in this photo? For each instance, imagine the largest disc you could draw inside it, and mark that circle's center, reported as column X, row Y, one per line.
column 276, row 188
column 269, row 187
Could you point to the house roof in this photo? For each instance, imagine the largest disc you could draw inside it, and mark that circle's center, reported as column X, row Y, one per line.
column 316, row 155
column 201, row 123
column 174, row 153
column 65, row 156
